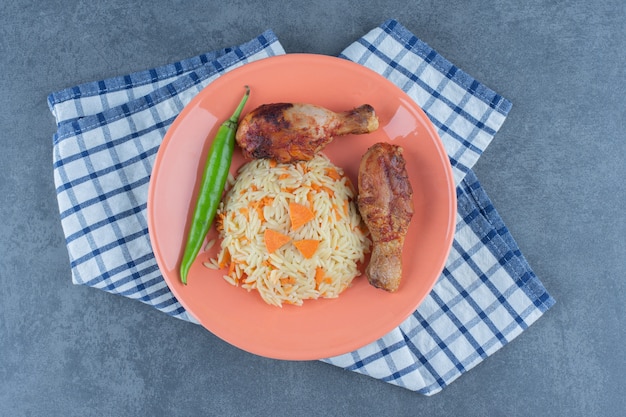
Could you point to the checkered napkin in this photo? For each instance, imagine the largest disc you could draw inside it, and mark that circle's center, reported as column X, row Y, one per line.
column 108, row 136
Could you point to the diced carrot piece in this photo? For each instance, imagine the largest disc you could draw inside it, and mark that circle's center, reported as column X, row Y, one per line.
column 226, row 259
column 259, row 212
column 330, row 192
column 333, row 173
column 350, row 186
column 319, row 276
column 283, row 176
column 309, row 198
column 337, row 212
column 320, row 188
column 265, row 201
column 258, row 206
column 274, row 240
column 288, row 281
column 273, row 163
column 299, row 215
column 307, row 247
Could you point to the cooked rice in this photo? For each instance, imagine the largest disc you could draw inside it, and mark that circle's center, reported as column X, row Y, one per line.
column 259, row 199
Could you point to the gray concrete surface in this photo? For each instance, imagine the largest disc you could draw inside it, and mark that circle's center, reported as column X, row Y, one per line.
column 555, row 173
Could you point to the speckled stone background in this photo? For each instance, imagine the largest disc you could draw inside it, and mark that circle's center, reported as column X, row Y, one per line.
column 555, row 172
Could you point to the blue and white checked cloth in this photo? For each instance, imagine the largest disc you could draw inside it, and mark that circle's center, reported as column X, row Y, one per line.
column 109, row 133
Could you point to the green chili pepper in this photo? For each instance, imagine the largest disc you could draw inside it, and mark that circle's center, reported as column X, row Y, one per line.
column 212, row 186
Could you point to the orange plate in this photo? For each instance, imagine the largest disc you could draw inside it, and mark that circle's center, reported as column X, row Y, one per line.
column 320, row 328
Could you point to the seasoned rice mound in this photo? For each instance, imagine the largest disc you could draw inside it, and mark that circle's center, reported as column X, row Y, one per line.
column 259, row 199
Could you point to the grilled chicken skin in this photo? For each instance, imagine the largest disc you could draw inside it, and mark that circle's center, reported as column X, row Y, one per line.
column 386, row 206
column 291, row 132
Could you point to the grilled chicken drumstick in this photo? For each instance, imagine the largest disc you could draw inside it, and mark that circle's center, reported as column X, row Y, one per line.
column 386, row 205
column 290, row 132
